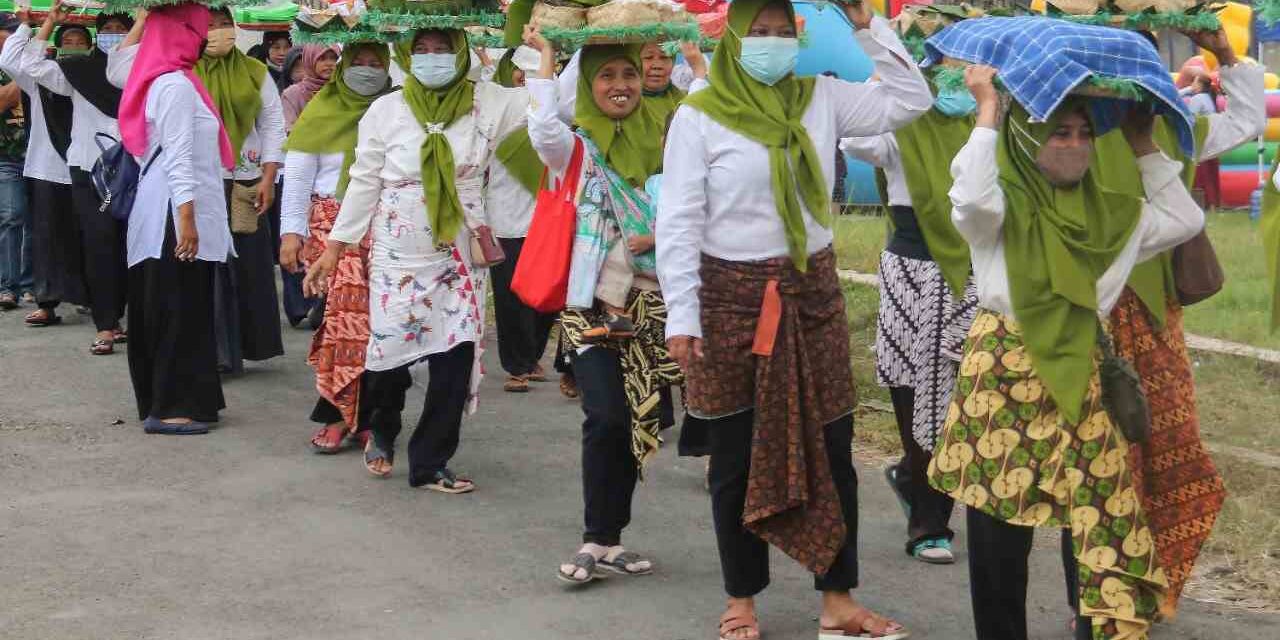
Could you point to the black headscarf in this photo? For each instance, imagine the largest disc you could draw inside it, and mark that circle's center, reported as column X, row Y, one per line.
column 88, row 74
column 285, row 80
column 56, row 108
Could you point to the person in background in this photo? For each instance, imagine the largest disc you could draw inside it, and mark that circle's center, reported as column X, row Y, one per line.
column 94, row 104
column 57, row 264
column 275, row 48
column 660, row 95
column 290, row 72
column 756, row 315
column 15, row 211
column 316, row 65
column 320, row 151
column 509, row 201
column 178, row 226
column 247, row 308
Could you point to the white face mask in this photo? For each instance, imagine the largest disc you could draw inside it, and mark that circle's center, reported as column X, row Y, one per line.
column 107, row 42
column 366, row 81
column 434, row 70
column 221, row 42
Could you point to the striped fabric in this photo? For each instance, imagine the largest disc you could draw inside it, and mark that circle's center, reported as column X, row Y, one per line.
column 1041, row 60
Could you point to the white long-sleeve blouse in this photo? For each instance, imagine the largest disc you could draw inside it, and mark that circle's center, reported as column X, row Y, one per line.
column 86, row 120
column 1169, row 217
column 717, row 195
column 306, row 175
column 389, row 152
column 182, row 137
column 42, row 161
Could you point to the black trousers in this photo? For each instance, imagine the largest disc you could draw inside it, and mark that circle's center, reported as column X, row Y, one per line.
column 744, row 558
column 522, row 331
column 102, row 238
column 173, row 361
column 56, row 260
column 930, row 510
column 609, row 470
column 435, row 439
column 325, row 413
column 998, row 577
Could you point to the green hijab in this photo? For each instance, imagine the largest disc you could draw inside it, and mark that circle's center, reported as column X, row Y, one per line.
column 515, row 152
column 1270, row 227
column 663, row 104
column 329, row 122
column 926, row 147
column 1117, row 169
column 1057, row 243
column 631, row 146
column 441, row 106
column 234, row 82
column 771, row 117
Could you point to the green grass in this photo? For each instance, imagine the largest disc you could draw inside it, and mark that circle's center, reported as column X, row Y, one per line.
column 1238, row 401
column 1241, row 312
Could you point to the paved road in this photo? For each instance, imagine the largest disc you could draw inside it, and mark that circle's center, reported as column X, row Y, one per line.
column 106, row 533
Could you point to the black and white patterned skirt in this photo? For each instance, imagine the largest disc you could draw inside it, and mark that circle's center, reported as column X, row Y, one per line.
column 920, row 337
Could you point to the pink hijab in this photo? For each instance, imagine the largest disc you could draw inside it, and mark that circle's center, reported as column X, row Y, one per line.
column 296, row 97
column 172, row 41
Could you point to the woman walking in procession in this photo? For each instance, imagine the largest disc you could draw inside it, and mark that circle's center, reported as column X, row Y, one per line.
column 416, row 187
column 757, row 319
column 321, row 149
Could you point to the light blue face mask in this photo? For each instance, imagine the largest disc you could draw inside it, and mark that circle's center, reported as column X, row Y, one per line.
column 434, row 70
column 955, row 103
column 107, row 42
column 769, row 59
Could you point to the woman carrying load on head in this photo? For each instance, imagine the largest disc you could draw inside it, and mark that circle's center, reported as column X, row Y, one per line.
column 416, row 187
column 178, row 226
column 509, row 201
column 56, row 258
column 320, row 151
column 757, row 319
column 1028, row 441
column 1175, row 475
column 619, row 144
column 927, row 303
column 94, row 102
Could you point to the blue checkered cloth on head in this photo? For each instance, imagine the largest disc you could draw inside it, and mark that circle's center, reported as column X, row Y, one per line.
column 1040, row 60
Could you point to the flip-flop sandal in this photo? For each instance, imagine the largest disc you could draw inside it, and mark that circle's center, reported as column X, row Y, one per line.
column 857, row 628
column 372, row 453
column 620, row 563
column 516, row 384
column 121, row 337
column 328, row 440
column 568, row 387
column 445, row 481
column 587, row 563
column 48, row 320
column 102, row 348
column 537, row 375
column 730, row 623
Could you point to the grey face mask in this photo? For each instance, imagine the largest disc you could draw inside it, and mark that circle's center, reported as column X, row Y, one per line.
column 366, row 81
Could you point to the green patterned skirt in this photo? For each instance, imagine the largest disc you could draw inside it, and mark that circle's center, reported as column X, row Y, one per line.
column 1007, row 452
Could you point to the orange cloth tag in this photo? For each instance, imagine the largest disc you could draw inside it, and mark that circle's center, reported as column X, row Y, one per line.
column 767, row 324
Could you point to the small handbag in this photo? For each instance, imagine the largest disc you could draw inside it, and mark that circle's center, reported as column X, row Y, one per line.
column 485, row 250
column 1197, row 274
column 243, row 210
column 1122, row 394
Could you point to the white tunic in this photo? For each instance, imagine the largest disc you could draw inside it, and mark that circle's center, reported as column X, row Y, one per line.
column 1169, row 217
column 508, row 204
column 43, row 161
column 305, row 175
column 717, row 194
column 86, row 120
column 188, row 169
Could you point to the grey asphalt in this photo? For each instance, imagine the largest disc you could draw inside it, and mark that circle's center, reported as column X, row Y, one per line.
column 107, row 533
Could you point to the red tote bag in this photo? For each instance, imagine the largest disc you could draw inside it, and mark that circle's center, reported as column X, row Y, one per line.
column 541, row 279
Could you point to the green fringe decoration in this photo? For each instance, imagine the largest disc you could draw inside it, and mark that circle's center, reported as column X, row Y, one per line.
column 1152, row 20
column 1267, row 11
column 948, row 78
column 453, row 7
column 129, row 6
column 416, row 20
column 915, row 47
column 486, row 40
column 573, row 39
column 343, row 35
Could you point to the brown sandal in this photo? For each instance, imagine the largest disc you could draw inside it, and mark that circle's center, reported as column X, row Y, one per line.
column 328, row 440
column 866, row 625
column 516, row 384
column 731, row 622
column 568, row 386
column 102, row 348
